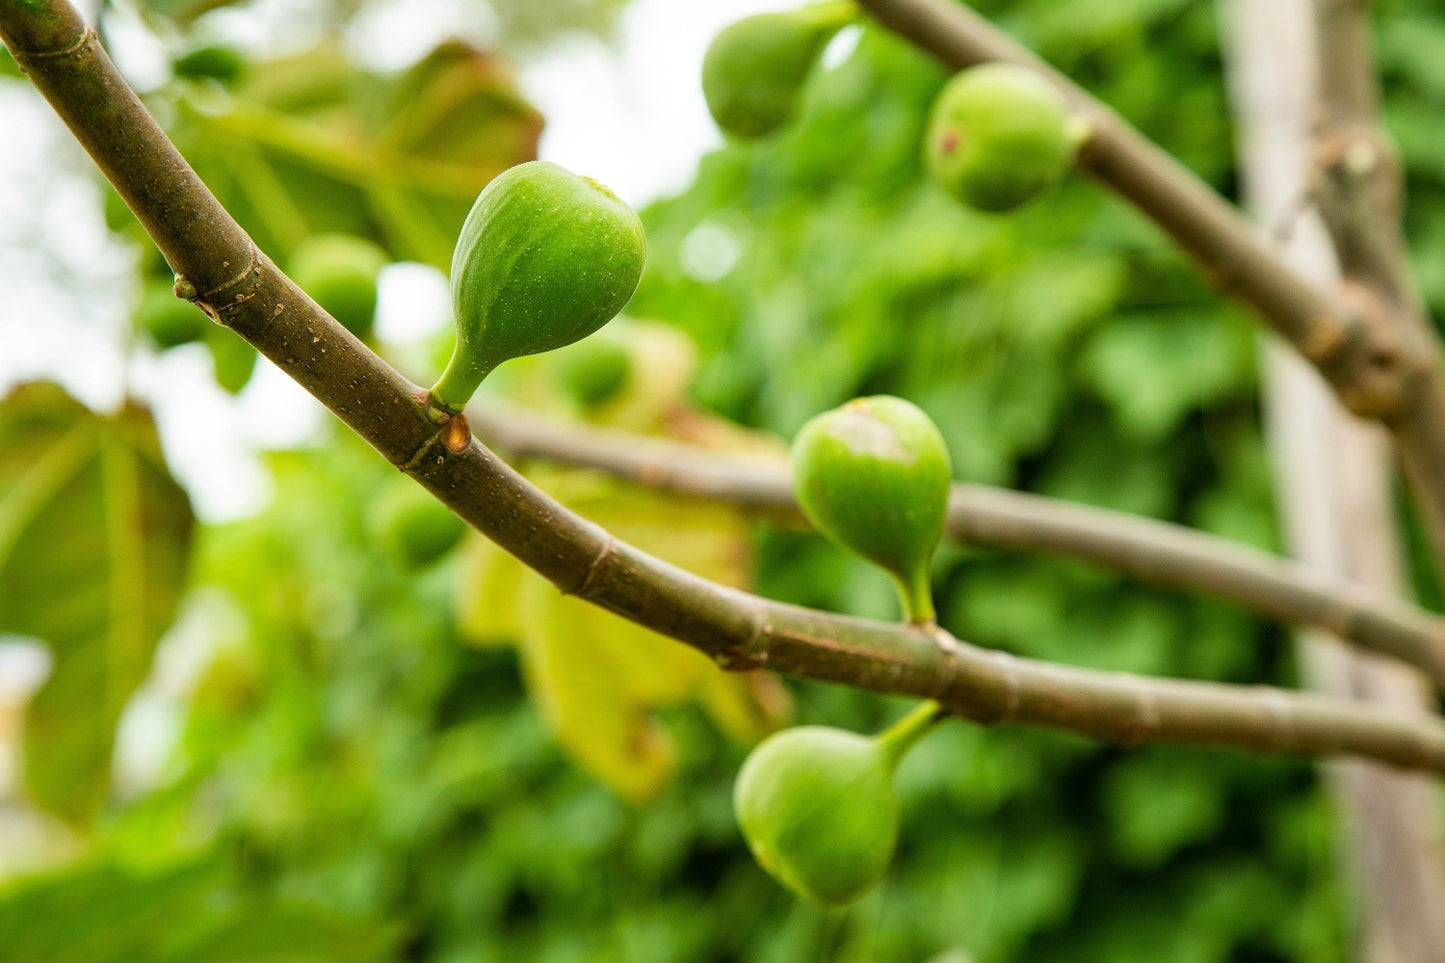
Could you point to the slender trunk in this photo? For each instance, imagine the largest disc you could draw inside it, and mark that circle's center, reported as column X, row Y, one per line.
column 1335, row 495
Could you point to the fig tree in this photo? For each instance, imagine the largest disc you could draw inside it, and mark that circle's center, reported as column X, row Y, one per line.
column 1000, row 135
column 874, row 476
column 544, row 259
column 754, row 69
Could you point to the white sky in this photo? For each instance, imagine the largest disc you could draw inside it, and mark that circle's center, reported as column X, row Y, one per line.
column 632, row 116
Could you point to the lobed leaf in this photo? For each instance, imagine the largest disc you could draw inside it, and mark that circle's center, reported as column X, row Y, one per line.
column 95, row 536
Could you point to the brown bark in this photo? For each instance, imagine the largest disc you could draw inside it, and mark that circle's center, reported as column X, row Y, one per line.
column 1335, row 480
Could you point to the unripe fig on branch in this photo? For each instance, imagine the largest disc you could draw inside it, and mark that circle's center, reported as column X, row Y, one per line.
column 213, row 61
column 595, row 370
column 874, row 476
column 340, row 272
column 544, row 259
column 1000, row 135
column 754, row 69
column 818, row 808
column 411, row 527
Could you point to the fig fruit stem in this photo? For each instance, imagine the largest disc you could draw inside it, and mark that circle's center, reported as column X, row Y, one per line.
column 916, row 591
column 895, row 741
column 457, row 381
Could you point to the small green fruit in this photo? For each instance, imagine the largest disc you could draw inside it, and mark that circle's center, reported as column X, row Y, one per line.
column 234, row 359
column 594, row 370
column 168, row 320
column 754, row 69
column 213, row 61
column 874, row 476
column 999, row 136
column 339, row 271
column 544, row 259
column 412, row 528
column 817, row 805
column 818, row 810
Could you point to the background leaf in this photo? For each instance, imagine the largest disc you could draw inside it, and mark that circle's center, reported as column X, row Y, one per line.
column 113, row 914
column 94, row 540
column 312, row 143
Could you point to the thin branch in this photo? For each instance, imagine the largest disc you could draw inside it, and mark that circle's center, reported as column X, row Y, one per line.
column 1152, row 552
column 1377, row 369
column 243, row 289
column 1358, row 186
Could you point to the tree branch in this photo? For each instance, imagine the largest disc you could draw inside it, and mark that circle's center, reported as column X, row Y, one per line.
column 1155, row 553
column 1377, row 369
column 242, row 288
column 1390, row 820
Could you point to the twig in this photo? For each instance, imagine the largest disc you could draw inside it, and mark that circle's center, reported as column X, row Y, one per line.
column 243, row 289
column 1153, row 552
column 1378, row 370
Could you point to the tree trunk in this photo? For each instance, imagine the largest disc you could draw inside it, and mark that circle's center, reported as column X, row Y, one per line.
column 1335, row 494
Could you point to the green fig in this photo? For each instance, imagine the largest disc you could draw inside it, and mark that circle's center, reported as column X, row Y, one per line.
column 754, row 69
column 874, row 476
column 818, row 808
column 212, row 61
column 544, row 259
column 594, row 370
column 233, row 358
column 412, row 528
column 167, row 320
column 339, row 271
column 1000, row 135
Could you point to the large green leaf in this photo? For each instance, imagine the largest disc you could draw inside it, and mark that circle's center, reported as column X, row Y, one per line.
column 94, row 540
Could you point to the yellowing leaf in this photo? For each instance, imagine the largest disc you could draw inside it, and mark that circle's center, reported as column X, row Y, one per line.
column 95, row 535
column 599, row 679
column 574, row 668
column 487, row 586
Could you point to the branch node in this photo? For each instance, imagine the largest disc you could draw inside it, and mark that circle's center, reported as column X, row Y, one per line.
column 210, row 301
column 608, row 549
column 948, row 658
column 1326, row 339
column 754, row 652
column 83, row 40
column 414, row 461
column 184, row 289
column 1144, row 722
column 1374, row 372
column 1012, row 693
column 1284, row 738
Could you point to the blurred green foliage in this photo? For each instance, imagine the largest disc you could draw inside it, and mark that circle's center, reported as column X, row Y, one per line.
column 355, row 778
column 95, row 536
